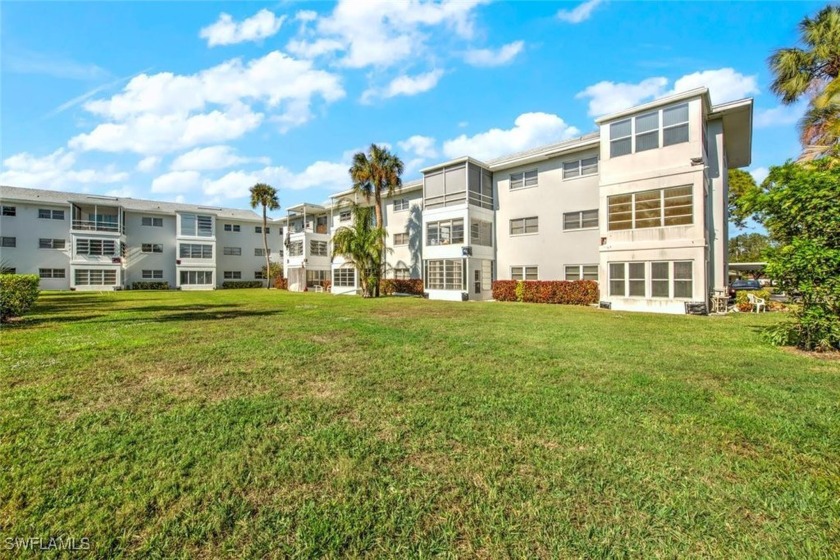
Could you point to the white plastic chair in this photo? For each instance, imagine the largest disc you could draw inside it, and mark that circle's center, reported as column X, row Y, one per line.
column 757, row 303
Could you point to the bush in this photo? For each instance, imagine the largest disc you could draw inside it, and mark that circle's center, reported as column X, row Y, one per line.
column 150, row 286
column 813, row 328
column 17, row 294
column 281, row 283
column 240, row 284
column 741, row 297
column 577, row 292
column 391, row 286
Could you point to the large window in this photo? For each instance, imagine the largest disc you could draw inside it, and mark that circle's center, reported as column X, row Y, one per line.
column 52, row 273
column 47, row 214
column 481, row 233
column 96, row 247
column 400, row 239
column 524, row 179
column 197, row 225
column 522, row 226
column 580, row 220
column 400, row 204
column 445, row 274
column 315, row 278
column 195, row 251
column 344, row 277
column 52, row 243
column 452, row 185
column 446, row 232
column 296, row 249
column 152, row 274
column 659, row 279
column 580, row 167
column 232, row 251
column 196, row 277
column 87, row 277
column 151, row 221
column 151, row 248
column 582, row 272
column 661, row 127
column 318, row 248
column 524, row 273
column 662, row 207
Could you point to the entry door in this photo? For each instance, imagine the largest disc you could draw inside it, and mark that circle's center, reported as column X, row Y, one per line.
column 477, row 280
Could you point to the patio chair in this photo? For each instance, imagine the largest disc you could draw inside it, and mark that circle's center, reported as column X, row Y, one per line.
column 757, row 303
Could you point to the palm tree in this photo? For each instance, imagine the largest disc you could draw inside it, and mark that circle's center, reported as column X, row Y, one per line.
column 265, row 196
column 372, row 173
column 814, row 71
column 363, row 245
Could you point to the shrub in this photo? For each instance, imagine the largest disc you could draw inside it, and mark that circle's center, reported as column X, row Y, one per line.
column 741, row 297
column 17, row 294
column 577, row 292
column 814, row 328
column 150, row 286
column 240, row 284
column 281, row 283
column 391, row 286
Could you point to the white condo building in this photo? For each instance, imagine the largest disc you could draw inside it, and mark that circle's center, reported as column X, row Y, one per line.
column 640, row 206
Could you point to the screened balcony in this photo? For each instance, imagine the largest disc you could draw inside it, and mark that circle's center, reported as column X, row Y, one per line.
column 457, row 183
column 95, row 217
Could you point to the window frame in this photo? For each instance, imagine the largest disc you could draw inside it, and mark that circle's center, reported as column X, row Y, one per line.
column 401, row 204
column 232, row 228
column 52, row 243
column 8, row 211
column 151, row 247
column 340, row 277
column 153, row 274
column 524, row 226
column 52, row 273
column 153, row 221
column 400, row 239
column 580, row 220
column 521, row 272
column 636, row 208
column 522, row 178
column 231, row 251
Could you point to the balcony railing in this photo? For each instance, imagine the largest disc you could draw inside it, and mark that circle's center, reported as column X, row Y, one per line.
column 88, row 225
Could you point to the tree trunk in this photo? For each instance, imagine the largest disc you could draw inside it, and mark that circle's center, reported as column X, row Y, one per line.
column 267, row 255
column 379, row 224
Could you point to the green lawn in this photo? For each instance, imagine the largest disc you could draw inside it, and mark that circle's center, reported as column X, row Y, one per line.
column 267, row 424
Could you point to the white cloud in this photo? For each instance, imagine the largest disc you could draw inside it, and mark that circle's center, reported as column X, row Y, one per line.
column 225, row 31
column 580, row 13
column 211, row 157
column 490, row 57
column 322, row 174
column 122, row 192
column 404, row 85
column 148, row 164
column 313, row 49
column 725, row 84
column 530, row 130
column 176, row 182
column 422, row 146
column 54, row 171
column 306, row 15
column 781, row 115
column 759, row 174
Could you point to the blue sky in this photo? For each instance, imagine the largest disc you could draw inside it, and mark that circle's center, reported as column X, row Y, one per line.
column 197, row 101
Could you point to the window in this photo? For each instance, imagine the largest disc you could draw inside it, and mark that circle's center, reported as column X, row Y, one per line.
column 233, row 274
column 582, row 272
column 524, row 273
column 52, row 273
column 258, row 229
column 580, row 220
column 233, row 228
column 296, row 249
column 446, row 232
column 96, row 247
column 87, row 277
column 621, row 138
column 197, row 225
column 151, row 221
column 481, row 233
column 52, row 243
column 636, row 279
column 232, row 251
column 344, row 216
column 580, row 168
column 647, row 131
column 683, row 277
column 675, row 125
column 400, row 204
column 524, row 225
column 660, row 277
column 401, row 274
column 317, row 278
column 668, row 279
column 8, row 270
column 195, row 251
column 344, row 277
column 196, row 277
column 318, row 248
column 445, row 274
column 152, row 274
column 523, row 180
column 259, row 275
column 400, row 239
column 151, row 248
column 617, row 287
column 445, row 187
column 8, row 241
column 260, row 252
column 9, row 211
column 47, row 214
column 662, row 207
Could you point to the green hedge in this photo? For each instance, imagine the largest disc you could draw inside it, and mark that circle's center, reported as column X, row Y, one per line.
column 390, row 286
column 240, row 284
column 576, row 292
column 17, row 294
column 150, row 286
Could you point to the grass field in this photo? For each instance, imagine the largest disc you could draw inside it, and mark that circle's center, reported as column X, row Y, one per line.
column 267, row 424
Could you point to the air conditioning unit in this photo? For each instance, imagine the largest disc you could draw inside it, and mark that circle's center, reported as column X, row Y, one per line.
column 466, row 251
column 177, row 261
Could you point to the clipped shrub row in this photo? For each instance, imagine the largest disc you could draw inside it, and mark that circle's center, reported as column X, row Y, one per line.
column 240, row 284
column 281, row 283
column 150, row 285
column 390, row 286
column 17, row 294
column 576, row 292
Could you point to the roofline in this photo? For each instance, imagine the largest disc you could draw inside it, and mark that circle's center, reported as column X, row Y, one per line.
column 730, row 106
column 462, row 159
column 586, row 141
column 406, row 187
column 700, row 91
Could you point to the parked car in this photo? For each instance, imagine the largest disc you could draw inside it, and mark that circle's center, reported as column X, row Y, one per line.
column 743, row 285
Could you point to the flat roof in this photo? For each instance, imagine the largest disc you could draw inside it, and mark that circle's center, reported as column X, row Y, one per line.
column 681, row 96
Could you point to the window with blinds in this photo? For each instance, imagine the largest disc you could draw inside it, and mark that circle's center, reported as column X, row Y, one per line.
column 673, row 206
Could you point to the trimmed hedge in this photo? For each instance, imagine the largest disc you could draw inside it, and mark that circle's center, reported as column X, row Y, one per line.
column 576, row 292
column 391, row 286
column 17, row 294
column 240, row 284
column 150, row 285
column 281, row 283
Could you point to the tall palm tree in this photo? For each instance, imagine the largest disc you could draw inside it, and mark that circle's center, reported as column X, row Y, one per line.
column 372, row 174
column 265, row 196
column 363, row 245
column 813, row 71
